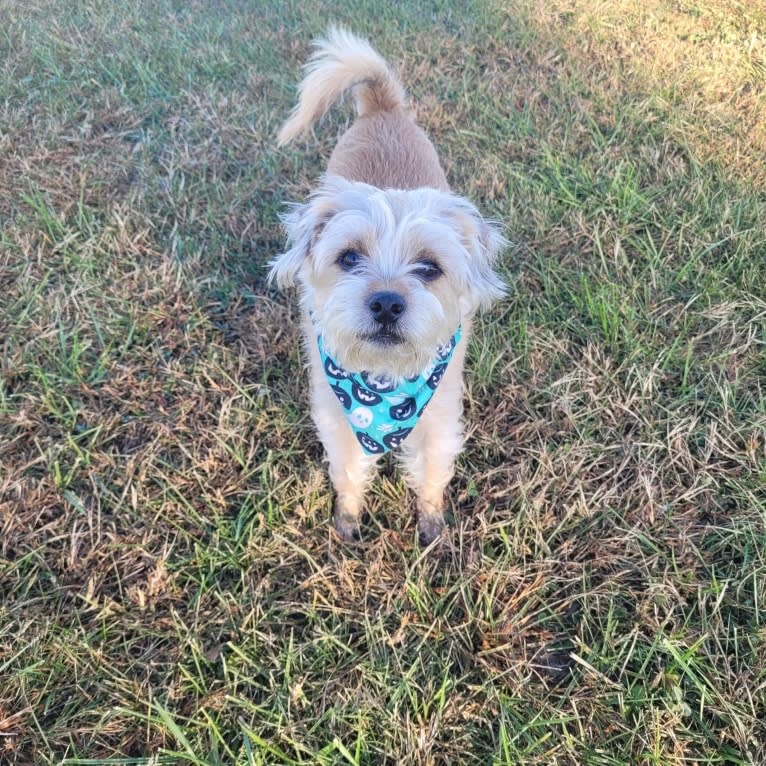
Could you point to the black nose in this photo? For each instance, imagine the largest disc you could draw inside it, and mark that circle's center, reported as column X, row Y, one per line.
column 386, row 307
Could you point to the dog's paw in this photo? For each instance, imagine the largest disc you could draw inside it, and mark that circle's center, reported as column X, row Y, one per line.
column 430, row 527
column 347, row 526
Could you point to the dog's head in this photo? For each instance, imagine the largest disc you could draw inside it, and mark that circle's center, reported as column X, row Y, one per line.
column 388, row 275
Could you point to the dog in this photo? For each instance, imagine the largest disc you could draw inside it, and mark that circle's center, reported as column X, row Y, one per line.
column 391, row 267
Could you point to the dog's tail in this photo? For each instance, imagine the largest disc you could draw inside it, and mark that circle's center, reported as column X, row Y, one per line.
column 342, row 62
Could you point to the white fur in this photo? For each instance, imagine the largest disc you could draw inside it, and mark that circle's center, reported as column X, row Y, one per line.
column 393, row 230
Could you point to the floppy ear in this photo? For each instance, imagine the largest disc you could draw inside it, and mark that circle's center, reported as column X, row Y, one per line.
column 483, row 242
column 303, row 224
column 299, row 225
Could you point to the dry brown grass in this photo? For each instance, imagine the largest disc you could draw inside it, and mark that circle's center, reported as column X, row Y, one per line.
column 702, row 62
column 170, row 588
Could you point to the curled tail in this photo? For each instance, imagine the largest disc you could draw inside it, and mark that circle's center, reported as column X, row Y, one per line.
column 342, row 62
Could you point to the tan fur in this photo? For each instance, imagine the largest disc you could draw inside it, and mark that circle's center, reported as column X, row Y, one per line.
column 390, row 151
column 387, row 197
column 342, row 63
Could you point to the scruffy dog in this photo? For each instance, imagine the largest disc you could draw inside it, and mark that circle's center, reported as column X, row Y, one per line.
column 391, row 267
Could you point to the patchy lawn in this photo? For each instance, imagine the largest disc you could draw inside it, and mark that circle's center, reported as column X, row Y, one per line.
column 170, row 587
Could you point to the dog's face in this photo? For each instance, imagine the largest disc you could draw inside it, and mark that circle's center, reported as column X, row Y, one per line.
column 388, row 275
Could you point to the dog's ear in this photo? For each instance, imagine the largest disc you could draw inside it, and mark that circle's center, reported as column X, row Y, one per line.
column 299, row 225
column 483, row 241
column 303, row 224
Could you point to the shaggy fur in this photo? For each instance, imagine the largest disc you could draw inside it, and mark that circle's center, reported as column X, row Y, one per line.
column 386, row 199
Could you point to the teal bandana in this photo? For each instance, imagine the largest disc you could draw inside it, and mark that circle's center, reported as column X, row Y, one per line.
column 383, row 411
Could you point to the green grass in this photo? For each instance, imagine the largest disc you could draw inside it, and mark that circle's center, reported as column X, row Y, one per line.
column 170, row 587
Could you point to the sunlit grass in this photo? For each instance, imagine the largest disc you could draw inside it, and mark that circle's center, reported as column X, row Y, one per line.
column 170, row 587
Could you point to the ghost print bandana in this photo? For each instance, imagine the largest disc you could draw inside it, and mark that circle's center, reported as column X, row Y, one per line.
column 382, row 411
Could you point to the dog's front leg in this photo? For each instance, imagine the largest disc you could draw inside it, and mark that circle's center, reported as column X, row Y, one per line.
column 428, row 455
column 350, row 468
column 350, row 472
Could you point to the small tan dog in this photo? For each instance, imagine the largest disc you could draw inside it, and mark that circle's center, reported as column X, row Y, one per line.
column 391, row 267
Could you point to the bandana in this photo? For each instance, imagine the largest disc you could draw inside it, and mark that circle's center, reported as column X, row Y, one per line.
column 382, row 411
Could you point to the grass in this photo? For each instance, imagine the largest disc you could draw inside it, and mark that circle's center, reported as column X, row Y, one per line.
column 170, row 588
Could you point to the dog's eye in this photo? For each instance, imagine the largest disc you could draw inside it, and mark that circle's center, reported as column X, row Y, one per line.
column 427, row 271
column 349, row 259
